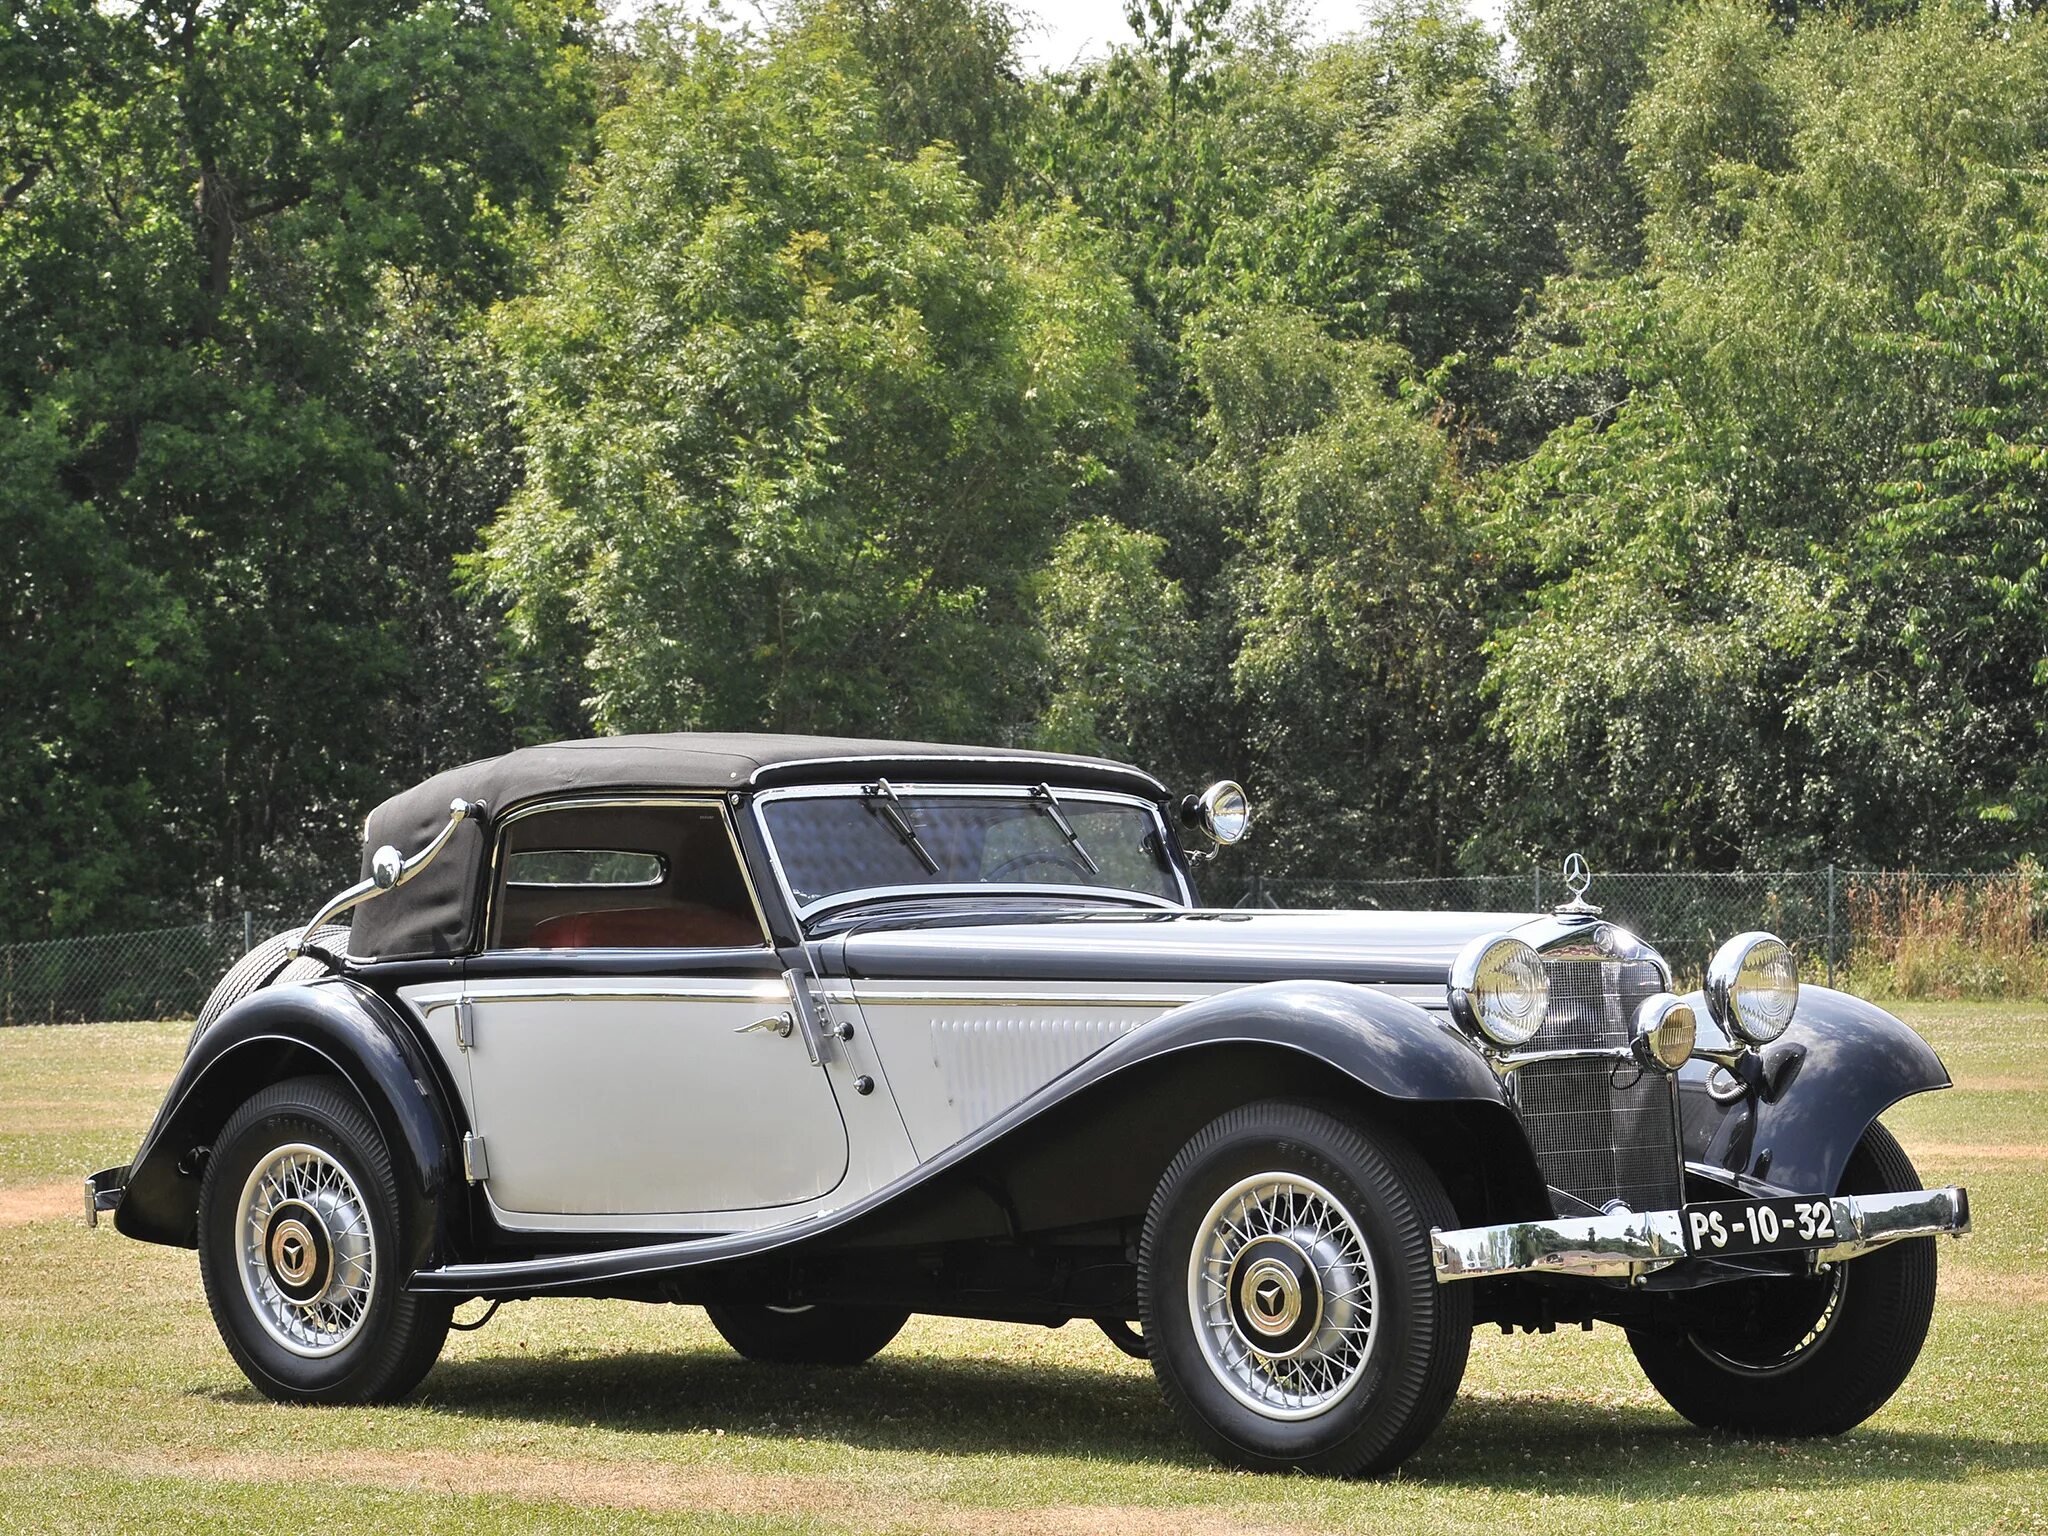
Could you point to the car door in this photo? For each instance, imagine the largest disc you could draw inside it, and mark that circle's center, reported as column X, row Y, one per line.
column 613, row 1071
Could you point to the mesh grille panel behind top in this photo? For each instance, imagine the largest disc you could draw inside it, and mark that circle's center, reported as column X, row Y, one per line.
column 1601, row 1130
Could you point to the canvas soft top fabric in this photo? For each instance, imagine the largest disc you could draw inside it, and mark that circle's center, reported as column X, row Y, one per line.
column 435, row 913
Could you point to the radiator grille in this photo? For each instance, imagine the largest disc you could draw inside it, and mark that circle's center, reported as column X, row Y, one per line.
column 1601, row 1130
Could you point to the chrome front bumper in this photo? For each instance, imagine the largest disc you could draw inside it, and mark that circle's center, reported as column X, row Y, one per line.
column 1634, row 1243
column 103, row 1191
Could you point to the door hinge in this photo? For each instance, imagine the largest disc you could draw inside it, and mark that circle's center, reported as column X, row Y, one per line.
column 476, row 1162
column 465, row 1023
column 806, row 1009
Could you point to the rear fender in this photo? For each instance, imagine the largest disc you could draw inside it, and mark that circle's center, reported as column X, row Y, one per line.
column 334, row 1027
column 1841, row 1064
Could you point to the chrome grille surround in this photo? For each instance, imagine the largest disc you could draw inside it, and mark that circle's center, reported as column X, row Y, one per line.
column 1603, row 1128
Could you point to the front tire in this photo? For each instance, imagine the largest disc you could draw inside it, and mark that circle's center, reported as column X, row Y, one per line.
column 823, row 1334
column 303, row 1251
column 1812, row 1356
column 1290, row 1304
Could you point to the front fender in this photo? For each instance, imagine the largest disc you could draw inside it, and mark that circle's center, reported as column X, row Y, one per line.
column 334, row 1027
column 1388, row 1045
column 1841, row 1064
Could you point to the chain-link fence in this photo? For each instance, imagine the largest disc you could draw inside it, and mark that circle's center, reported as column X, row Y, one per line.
column 1898, row 933
column 1882, row 932
column 161, row 973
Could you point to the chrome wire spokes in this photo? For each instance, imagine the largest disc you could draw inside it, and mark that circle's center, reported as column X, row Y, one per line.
column 308, row 1251
column 1281, row 1291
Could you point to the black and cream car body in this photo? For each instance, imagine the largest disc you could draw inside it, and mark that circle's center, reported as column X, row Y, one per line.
column 818, row 1034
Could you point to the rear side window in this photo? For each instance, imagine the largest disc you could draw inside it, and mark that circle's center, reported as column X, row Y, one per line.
column 622, row 877
column 585, row 866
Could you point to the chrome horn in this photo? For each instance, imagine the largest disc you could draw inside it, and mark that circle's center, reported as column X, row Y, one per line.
column 389, row 869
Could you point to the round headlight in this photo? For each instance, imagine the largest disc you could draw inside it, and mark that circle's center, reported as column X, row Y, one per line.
column 1225, row 811
column 1753, row 987
column 1500, row 988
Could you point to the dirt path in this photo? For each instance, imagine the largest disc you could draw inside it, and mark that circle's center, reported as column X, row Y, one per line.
column 42, row 1202
column 662, row 1489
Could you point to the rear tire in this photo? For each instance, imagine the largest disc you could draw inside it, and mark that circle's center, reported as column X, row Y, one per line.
column 824, row 1334
column 304, row 1254
column 1806, row 1357
column 1291, row 1307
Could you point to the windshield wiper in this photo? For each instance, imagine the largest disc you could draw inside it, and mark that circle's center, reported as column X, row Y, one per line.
column 1043, row 795
column 881, row 796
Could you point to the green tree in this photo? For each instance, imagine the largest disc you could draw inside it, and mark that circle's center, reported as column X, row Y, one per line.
column 1956, row 563
column 216, row 219
column 1118, row 639
column 1428, row 215
column 1709, row 670
column 1353, row 600
column 800, row 421
column 944, row 72
column 1582, row 63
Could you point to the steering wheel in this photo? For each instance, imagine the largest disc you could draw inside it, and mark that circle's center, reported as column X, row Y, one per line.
column 1041, row 857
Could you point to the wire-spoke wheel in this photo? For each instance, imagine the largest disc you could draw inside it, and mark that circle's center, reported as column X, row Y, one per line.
column 1282, row 1284
column 304, row 1248
column 1290, row 1305
column 309, row 1256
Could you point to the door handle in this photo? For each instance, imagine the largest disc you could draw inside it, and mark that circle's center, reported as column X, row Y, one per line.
column 776, row 1024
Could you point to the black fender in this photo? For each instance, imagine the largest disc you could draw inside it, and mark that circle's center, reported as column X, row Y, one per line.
column 334, row 1026
column 1332, row 1039
column 1820, row 1085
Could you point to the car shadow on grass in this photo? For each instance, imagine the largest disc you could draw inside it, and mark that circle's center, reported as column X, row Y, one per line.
column 909, row 1403
column 1115, row 1413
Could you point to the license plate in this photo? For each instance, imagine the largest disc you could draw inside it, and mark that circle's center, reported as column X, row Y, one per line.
column 1761, row 1226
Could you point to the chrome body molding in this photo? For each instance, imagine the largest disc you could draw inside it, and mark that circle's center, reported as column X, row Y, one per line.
column 1631, row 1243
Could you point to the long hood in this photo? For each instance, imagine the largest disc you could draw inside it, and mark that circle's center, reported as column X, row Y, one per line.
column 1405, row 949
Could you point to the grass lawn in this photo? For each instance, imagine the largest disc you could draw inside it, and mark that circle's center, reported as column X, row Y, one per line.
column 119, row 1409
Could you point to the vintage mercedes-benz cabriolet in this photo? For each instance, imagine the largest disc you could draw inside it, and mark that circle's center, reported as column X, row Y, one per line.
column 817, row 1034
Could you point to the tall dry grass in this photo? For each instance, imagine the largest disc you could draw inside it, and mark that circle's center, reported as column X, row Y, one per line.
column 1914, row 935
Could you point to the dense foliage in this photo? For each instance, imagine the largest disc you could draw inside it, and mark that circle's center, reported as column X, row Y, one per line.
column 1635, row 441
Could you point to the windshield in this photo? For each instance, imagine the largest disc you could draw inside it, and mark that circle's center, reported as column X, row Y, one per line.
column 881, row 837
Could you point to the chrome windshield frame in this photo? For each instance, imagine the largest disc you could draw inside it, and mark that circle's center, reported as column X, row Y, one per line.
column 805, row 912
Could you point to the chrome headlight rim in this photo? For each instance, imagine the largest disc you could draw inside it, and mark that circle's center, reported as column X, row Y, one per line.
column 1666, row 1030
column 1224, row 812
column 1745, row 1003
column 1476, row 990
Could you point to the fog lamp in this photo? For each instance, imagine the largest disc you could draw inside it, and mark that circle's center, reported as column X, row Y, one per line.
column 1665, row 1030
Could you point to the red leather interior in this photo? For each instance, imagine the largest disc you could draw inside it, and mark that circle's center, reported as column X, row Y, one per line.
column 689, row 926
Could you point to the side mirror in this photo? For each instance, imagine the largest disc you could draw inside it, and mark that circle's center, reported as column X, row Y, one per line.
column 1223, row 811
column 386, row 864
